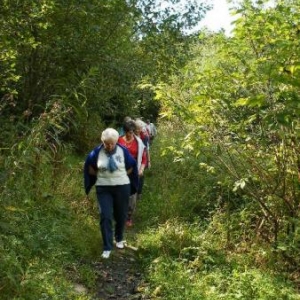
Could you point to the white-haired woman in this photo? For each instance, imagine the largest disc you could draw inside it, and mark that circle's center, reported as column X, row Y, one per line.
column 112, row 169
column 141, row 132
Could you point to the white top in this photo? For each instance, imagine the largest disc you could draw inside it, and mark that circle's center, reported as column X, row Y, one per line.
column 104, row 176
column 141, row 148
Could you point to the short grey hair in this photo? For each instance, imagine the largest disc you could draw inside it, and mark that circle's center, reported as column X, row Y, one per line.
column 140, row 124
column 110, row 134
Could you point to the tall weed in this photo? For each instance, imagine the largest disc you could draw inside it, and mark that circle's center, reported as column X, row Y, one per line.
column 198, row 238
column 45, row 229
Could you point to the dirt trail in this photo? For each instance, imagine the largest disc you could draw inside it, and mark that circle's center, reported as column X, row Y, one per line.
column 119, row 276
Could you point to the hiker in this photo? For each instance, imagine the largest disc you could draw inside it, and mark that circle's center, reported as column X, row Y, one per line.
column 151, row 128
column 112, row 169
column 120, row 128
column 141, row 132
column 137, row 149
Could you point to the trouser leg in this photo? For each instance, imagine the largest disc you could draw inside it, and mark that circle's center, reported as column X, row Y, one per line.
column 121, row 199
column 132, row 205
column 105, row 201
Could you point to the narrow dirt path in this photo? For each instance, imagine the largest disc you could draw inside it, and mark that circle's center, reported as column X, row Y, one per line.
column 120, row 277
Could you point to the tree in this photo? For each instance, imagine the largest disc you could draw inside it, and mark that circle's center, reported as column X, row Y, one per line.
column 86, row 53
column 238, row 101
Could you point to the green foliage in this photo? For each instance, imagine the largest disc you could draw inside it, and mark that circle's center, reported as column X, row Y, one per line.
column 186, row 261
column 247, row 133
column 91, row 55
column 51, row 235
column 169, row 188
column 205, row 239
column 219, row 217
column 44, row 227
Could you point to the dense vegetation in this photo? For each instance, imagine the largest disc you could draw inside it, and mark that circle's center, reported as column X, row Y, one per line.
column 220, row 214
column 198, row 239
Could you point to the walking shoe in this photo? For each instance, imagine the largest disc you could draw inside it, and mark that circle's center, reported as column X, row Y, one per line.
column 120, row 245
column 105, row 254
column 129, row 223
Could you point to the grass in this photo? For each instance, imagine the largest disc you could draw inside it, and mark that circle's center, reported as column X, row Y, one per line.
column 50, row 238
column 184, row 243
column 47, row 241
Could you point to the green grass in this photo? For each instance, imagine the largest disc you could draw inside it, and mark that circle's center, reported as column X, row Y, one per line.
column 47, row 238
column 190, row 246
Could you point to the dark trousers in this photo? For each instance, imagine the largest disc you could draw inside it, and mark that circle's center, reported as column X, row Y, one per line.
column 113, row 204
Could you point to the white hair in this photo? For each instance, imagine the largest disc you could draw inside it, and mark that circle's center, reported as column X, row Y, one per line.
column 140, row 124
column 110, row 134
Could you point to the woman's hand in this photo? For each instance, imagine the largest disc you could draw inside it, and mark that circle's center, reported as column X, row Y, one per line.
column 129, row 171
column 141, row 170
column 92, row 171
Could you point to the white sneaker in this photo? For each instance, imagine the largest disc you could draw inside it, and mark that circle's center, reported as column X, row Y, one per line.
column 120, row 245
column 106, row 254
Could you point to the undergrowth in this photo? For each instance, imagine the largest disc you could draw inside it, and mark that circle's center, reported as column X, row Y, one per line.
column 195, row 239
column 200, row 240
column 49, row 237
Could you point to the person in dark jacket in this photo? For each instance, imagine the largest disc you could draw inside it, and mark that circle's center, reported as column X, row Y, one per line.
column 113, row 171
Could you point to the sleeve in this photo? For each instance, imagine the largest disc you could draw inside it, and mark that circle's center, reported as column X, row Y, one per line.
column 144, row 157
column 91, row 160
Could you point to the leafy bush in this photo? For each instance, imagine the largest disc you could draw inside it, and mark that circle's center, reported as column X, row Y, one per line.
column 45, row 228
column 213, row 252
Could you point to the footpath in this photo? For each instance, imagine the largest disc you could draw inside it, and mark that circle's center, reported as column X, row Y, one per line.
column 119, row 276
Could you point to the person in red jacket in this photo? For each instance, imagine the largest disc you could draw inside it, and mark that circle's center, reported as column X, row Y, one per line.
column 137, row 149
